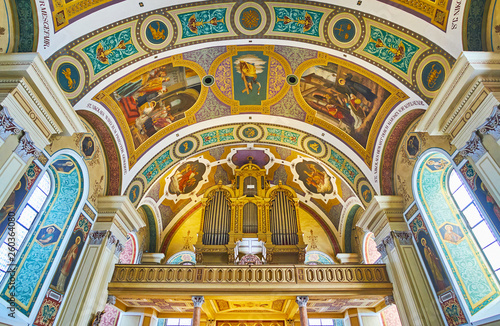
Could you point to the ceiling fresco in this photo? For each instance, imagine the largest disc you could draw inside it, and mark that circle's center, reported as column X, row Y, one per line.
column 320, row 95
column 407, row 56
column 278, row 306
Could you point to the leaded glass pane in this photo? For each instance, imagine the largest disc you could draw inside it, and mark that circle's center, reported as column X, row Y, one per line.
column 455, row 181
column 472, row 215
column 20, row 235
column 27, row 217
column 37, row 199
column 44, row 183
column 492, row 252
column 462, row 197
column 483, row 234
column 4, row 257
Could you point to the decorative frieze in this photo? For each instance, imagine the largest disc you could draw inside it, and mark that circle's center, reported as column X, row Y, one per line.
column 165, row 274
column 473, row 148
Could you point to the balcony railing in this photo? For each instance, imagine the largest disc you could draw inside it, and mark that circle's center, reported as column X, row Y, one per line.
column 289, row 274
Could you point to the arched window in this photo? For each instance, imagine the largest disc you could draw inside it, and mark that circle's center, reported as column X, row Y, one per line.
column 476, row 221
column 450, row 234
column 19, row 221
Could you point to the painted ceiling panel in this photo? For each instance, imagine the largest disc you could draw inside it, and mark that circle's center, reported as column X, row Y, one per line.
column 196, row 81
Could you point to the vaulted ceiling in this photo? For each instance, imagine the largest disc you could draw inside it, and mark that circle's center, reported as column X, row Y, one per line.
column 214, row 82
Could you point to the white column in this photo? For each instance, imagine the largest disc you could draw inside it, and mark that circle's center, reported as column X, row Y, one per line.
column 116, row 218
column 412, row 292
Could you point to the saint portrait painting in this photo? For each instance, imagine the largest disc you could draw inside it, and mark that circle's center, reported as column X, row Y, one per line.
column 73, row 249
column 432, row 263
column 48, row 236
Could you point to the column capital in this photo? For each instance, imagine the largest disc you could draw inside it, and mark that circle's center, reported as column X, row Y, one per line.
column 302, row 301
column 111, row 300
column 492, row 124
column 198, row 300
column 389, row 300
column 7, row 125
column 117, row 214
column 473, row 148
column 27, row 149
column 387, row 243
column 152, row 257
column 384, row 214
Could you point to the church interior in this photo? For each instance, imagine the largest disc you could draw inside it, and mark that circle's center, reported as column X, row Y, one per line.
column 249, row 163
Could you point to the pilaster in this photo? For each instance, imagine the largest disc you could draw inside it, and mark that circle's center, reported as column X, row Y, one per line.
column 483, row 152
column 18, row 151
column 412, row 293
column 463, row 111
column 116, row 218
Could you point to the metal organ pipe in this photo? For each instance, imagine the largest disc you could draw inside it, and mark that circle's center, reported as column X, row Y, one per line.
column 217, row 218
column 283, row 219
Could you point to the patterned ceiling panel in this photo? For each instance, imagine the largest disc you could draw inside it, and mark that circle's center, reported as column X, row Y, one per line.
column 400, row 52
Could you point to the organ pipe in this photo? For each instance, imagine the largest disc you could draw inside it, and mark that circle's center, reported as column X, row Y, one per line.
column 283, row 217
column 216, row 224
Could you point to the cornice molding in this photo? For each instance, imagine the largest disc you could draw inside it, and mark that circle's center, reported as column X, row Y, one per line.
column 472, row 74
column 116, row 213
column 385, row 213
column 43, row 89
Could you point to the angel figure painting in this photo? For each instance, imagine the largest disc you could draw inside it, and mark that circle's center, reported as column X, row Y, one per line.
column 344, row 98
column 186, row 178
column 314, row 177
column 251, row 87
column 155, row 99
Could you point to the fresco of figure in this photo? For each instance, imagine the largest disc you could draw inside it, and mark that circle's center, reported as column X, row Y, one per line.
column 68, row 261
column 435, row 266
column 354, row 87
column 249, row 66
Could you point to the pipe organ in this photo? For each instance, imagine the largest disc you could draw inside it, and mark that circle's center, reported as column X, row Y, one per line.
column 250, row 208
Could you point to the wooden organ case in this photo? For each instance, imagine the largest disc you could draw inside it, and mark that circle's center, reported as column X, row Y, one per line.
column 250, row 209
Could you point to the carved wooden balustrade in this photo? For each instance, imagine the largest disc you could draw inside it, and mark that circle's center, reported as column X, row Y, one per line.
column 296, row 279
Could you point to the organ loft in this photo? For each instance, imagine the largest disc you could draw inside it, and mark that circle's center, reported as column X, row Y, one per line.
column 250, row 221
